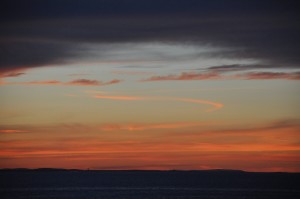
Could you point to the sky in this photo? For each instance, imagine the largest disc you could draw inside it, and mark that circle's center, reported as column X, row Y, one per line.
column 148, row 84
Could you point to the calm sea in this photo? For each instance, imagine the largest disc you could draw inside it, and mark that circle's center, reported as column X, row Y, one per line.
column 145, row 193
column 64, row 184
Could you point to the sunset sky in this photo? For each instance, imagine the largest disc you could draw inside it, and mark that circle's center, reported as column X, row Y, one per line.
column 150, row 84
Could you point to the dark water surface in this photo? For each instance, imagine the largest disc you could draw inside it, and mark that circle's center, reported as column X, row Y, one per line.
column 146, row 193
column 74, row 184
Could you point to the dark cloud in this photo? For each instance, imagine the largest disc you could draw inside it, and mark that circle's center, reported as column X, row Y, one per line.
column 239, row 67
column 36, row 33
column 18, row 55
column 244, row 67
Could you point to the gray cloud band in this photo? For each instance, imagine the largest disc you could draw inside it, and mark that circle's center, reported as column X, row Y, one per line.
column 41, row 37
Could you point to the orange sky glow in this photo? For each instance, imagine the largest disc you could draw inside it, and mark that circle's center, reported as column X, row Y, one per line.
column 167, row 85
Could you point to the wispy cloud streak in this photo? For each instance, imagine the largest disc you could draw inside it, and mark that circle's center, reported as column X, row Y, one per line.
column 186, row 76
column 143, row 126
column 269, row 75
column 48, row 82
column 215, row 105
column 12, row 131
column 245, row 67
column 218, row 76
column 76, row 82
column 84, row 82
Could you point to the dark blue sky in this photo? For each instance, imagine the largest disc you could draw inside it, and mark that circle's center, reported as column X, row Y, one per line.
column 62, row 8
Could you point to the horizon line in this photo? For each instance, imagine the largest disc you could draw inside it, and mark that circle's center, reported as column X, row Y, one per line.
column 143, row 170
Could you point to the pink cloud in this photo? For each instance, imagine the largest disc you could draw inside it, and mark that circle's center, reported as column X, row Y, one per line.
column 12, row 131
column 218, row 76
column 48, row 82
column 114, row 81
column 215, row 105
column 76, row 82
column 84, row 82
column 12, row 72
column 87, row 82
column 186, row 76
column 269, row 75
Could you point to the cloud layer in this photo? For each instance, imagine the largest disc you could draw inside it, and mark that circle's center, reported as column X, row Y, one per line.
column 43, row 33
